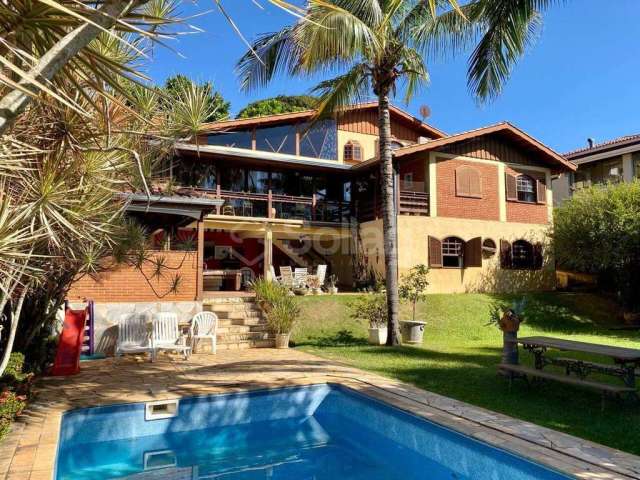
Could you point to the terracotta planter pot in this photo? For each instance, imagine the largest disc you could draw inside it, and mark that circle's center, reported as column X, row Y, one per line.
column 510, row 322
column 282, row 340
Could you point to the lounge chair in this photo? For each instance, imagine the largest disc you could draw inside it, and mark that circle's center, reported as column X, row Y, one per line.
column 300, row 277
column 286, row 277
column 204, row 325
column 321, row 273
column 133, row 335
column 274, row 277
column 166, row 334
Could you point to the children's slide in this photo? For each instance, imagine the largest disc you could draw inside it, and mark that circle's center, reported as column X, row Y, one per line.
column 70, row 345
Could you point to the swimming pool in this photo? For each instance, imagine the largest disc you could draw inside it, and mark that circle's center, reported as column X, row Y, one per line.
column 320, row 432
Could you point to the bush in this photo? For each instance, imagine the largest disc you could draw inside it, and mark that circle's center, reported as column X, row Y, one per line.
column 280, row 307
column 598, row 231
column 371, row 308
column 11, row 405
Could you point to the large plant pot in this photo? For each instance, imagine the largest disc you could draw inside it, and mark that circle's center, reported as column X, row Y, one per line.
column 412, row 331
column 282, row 340
column 378, row 336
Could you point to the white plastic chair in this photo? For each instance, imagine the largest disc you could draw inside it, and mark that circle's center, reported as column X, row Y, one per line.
column 133, row 336
column 166, row 334
column 204, row 325
column 321, row 273
column 286, row 277
column 274, row 277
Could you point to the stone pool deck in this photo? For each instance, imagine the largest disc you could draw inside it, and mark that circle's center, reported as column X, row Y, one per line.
column 28, row 453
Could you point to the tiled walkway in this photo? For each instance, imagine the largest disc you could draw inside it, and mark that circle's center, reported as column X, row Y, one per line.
column 28, row 453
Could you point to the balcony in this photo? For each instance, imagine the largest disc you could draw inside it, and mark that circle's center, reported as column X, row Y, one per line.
column 410, row 200
column 269, row 205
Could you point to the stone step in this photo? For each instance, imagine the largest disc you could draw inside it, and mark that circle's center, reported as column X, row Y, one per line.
column 229, row 300
column 232, row 307
column 233, row 329
column 237, row 315
column 248, row 344
column 242, row 337
column 227, row 322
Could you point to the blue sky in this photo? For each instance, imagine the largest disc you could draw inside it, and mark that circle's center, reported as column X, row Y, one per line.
column 581, row 79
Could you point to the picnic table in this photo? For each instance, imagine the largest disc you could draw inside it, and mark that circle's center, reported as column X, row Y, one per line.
column 625, row 363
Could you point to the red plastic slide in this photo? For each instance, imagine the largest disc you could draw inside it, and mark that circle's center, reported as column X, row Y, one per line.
column 68, row 355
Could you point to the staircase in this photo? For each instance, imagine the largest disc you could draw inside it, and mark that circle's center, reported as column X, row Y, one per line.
column 241, row 323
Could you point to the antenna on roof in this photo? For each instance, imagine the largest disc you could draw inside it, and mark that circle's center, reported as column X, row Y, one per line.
column 590, row 142
column 425, row 112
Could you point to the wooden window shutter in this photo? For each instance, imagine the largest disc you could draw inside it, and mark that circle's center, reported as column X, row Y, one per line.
column 510, row 185
column 505, row 254
column 541, row 192
column 475, row 184
column 538, row 257
column 462, row 182
column 473, row 253
column 435, row 253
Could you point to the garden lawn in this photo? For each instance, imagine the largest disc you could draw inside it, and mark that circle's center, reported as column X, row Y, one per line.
column 461, row 351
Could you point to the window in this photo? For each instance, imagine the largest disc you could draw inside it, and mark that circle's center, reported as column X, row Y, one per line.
column 277, row 139
column 522, row 255
column 352, row 151
column 258, row 181
column 319, row 141
column 526, row 189
column 233, row 179
column 231, row 139
column 452, row 252
column 468, row 182
column 488, row 248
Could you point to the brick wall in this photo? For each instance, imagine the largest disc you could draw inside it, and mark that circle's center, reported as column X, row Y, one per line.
column 128, row 284
column 450, row 205
column 523, row 212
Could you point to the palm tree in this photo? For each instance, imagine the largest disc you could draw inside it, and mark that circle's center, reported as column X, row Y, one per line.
column 374, row 44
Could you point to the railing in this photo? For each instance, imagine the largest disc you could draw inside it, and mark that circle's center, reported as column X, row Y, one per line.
column 408, row 203
column 269, row 205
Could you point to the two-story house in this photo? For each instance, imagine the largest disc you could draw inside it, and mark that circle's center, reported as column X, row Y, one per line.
column 252, row 194
column 616, row 160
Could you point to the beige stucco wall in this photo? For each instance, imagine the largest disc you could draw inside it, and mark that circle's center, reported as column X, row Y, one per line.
column 412, row 250
column 368, row 143
column 371, row 244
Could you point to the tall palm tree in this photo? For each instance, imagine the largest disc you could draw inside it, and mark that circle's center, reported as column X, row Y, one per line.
column 374, row 43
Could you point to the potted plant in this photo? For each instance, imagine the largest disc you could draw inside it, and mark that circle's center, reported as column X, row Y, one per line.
column 313, row 283
column 413, row 288
column 372, row 309
column 509, row 321
column 281, row 319
column 332, row 288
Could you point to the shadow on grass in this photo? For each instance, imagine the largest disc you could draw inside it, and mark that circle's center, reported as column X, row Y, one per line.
column 341, row 338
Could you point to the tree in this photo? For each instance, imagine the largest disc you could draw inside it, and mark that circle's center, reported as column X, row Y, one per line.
column 216, row 105
column 597, row 231
column 375, row 45
column 279, row 104
column 414, row 286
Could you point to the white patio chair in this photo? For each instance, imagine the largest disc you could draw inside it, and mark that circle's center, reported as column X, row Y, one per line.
column 166, row 334
column 274, row 277
column 321, row 273
column 204, row 325
column 133, row 335
column 286, row 277
column 300, row 276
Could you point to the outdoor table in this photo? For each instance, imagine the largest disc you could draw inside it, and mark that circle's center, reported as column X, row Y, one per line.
column 626, row 360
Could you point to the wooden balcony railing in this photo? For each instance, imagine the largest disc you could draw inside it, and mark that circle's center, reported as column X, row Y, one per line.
column 408, row 203
column 270, row 205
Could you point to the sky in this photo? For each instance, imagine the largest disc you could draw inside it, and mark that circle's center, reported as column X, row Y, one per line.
column 580, row 79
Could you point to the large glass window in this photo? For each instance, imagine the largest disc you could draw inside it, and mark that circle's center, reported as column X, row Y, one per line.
column 196, row 174
column 526, row 188
column 258, row 181
column 233, row 179
column 231, row 139
column 452, row 252
column 285, row 183
column 277, row 139
column 320, row 140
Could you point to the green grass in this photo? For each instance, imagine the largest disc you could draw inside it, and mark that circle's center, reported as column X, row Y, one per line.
column 460, row 352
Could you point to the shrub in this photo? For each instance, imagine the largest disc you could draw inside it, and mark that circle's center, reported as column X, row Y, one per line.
column 280, row 307
column 598, row 231
column 11, row 405
column 370, row 308
column 413, row 287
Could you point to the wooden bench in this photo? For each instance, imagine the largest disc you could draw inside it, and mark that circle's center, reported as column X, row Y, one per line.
column 520, row 371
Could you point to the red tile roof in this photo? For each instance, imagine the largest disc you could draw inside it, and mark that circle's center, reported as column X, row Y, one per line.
column 609, row 144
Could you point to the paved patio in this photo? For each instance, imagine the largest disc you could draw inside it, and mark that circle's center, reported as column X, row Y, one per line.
column 28, row 453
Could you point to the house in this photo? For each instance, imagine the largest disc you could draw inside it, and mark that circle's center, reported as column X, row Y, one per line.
column 279, row 190
column 616, row 160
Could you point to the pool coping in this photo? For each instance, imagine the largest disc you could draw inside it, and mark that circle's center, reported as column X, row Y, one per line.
column 29, row 451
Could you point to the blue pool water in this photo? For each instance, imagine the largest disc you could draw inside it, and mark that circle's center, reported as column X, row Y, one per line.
column 319, row 432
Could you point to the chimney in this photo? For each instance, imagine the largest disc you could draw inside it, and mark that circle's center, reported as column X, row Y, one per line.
column 590, row 142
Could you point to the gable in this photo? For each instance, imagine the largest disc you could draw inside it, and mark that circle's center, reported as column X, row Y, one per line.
column 492, row 147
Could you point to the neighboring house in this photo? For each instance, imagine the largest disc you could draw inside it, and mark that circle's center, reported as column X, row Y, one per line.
column 277, row 190
column 616, row 160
